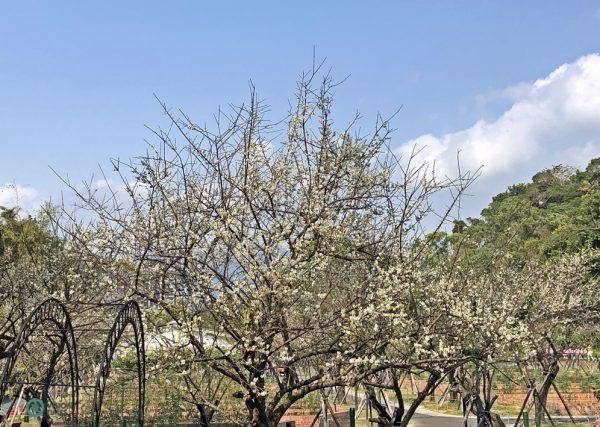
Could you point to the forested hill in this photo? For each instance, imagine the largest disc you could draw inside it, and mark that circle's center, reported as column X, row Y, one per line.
column 557, row 212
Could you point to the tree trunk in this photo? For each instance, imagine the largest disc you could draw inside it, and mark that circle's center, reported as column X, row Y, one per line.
column 259, row 416
column 429, row 387
column 46, row 421
column 550, row 371
column 496, row 420
column 383, row 418
column 206, row 414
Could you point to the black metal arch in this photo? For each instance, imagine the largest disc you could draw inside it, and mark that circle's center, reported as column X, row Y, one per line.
column 51, row 311
column 130, row 314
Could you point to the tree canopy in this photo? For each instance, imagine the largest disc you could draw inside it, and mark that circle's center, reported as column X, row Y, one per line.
column 557, row 213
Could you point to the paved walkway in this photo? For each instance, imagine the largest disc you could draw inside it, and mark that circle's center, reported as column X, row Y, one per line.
column 426, row 418
column 420, row 420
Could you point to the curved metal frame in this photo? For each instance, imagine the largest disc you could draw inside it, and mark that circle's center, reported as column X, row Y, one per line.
column 54, row 311
column 129, row 314
column 50, row 310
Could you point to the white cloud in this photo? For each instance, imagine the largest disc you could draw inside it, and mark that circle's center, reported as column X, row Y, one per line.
column 555, row 119
column 28, row 199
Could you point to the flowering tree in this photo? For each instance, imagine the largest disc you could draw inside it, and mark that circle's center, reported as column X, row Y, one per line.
column 501, row 312
column 514, row 315
column 290, row 261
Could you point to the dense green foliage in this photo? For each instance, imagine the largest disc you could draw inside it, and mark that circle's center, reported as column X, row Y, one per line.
column 33, row 260
column 557, row 212
column 26, row 238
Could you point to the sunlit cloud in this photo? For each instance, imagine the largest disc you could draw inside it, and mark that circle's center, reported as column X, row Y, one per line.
column 27, row 199
column 555, row 119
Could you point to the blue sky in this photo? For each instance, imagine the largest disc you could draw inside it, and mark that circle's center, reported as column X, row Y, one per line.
column 77, row 79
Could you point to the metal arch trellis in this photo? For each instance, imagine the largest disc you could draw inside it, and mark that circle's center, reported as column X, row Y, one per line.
column 129, row 314
column 55, row 312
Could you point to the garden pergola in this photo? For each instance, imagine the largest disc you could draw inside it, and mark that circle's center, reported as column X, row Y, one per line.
column 52, row 320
